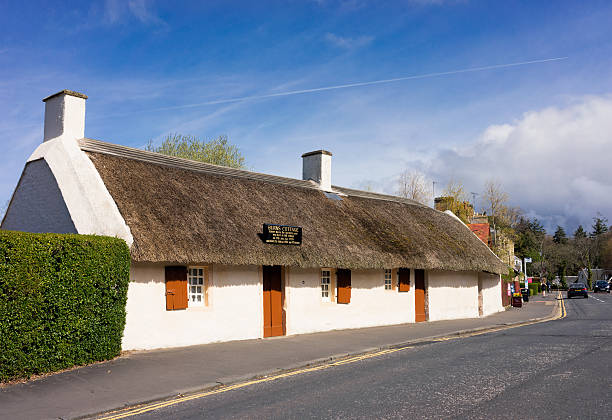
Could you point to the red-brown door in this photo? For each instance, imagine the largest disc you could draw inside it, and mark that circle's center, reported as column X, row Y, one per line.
column 343, row 280
column 176, row 288
column 419, row 296
column 273, row 301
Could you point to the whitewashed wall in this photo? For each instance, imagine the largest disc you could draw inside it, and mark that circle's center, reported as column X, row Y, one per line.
column 37, row 204
column 452, row 295
column 491, row 293
column 234, row 312
column 370, row 305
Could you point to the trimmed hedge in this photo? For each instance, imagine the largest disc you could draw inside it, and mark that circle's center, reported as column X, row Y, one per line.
column 62, row 301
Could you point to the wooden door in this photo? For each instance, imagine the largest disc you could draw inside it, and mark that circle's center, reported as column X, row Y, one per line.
column 343, row 281
column 419, row 296
column 403, row 280
column 176, row 288
column 274, row 320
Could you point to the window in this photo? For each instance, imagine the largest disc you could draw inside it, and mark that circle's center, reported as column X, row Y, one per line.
column 388, row 283
column 197, row 283
column 325, row 285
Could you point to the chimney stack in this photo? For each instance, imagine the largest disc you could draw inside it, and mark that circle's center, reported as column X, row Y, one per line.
column 65, row 115
column 316, row 166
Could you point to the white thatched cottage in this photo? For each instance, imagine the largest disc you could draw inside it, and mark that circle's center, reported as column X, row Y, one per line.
column 223, row 254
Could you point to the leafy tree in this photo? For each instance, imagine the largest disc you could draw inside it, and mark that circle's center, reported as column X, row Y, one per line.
column 580, row 233
column 530, row 236
column 560, row 237
column 218, row 151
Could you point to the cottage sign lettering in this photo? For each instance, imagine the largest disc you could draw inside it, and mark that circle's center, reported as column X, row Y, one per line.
column 282, row 235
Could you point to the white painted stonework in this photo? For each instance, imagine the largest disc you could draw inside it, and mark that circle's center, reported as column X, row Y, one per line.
column 491, row 293
column 317, row 167
column 64, row 116
column 370, row 305
column 452, row 294
column 235, row 310
column 90, row 206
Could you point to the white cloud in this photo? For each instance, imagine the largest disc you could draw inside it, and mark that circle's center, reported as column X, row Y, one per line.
column 555, row 162
column 348, row 42
column 116, row 11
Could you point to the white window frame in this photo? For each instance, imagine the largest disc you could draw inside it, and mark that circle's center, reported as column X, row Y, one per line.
column 325, row 282
column 197, row 286
column 388, row 279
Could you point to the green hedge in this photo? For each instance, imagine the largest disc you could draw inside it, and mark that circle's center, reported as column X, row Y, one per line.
column 62, row 301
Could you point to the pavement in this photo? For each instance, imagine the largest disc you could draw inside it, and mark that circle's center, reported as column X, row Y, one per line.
column 145, row 376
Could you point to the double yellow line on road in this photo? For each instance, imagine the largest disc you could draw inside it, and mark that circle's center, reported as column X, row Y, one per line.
column 134, row 411
column 156, row 406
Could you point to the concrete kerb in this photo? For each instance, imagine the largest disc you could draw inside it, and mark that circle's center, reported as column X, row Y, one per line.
column 231, row 380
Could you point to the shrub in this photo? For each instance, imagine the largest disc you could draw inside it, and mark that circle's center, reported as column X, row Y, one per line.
column 62, row 301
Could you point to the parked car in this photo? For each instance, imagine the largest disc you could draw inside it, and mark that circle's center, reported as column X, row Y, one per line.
column 601, row 286
column 577, row 289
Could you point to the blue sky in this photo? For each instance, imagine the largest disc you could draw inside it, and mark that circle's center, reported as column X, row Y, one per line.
column 543, row 130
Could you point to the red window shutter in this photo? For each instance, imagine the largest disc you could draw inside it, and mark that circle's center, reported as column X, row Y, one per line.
column 176, row 288
column 343, row 281
column 403, row 280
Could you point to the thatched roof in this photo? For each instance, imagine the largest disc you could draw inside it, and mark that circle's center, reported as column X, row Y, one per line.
column 182, row 211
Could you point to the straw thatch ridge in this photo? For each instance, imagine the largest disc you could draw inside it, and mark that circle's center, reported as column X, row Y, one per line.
column 188, row 216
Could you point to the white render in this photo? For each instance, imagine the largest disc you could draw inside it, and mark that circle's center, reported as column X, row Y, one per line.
column 91, row 207
column 37, row 205
column 317, row 167
column 64, row 116
column 491, row 293
column 452, row 294
column 235, row 310
column 371, row 304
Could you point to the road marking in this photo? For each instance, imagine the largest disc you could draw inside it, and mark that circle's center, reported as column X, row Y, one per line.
column 599, row 300
column 155, row 406
column 133, row 411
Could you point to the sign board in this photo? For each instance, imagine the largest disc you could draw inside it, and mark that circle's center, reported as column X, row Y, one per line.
column 509, row 290
column 529, row 279
column 527, row 260
column 282, row 235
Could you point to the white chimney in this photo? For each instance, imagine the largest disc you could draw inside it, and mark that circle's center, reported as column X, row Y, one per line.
column 316, row 166
column 65, row 115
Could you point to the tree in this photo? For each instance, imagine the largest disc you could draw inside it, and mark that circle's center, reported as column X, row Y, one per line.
column 218, row 151
column 455, row 199
column 560, row 237
column 413, row 185
column 530, row 235
column 580, row 233
column 496, row 199
column 599, row 225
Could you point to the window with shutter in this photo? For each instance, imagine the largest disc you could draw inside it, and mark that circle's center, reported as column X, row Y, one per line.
column 176, row 288
column 343, row 281
column 403, row 280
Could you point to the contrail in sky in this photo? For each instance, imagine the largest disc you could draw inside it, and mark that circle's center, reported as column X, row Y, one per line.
column 350, row 85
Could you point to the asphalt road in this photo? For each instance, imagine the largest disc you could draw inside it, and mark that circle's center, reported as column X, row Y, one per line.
column 556, row 369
